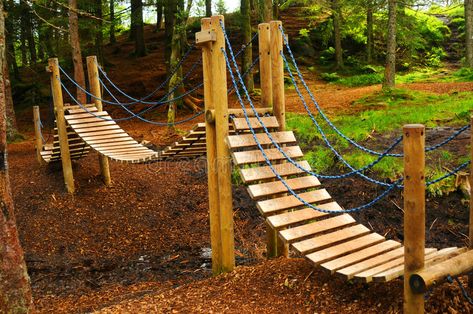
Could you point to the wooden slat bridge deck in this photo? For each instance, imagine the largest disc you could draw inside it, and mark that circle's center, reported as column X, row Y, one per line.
column 99, row 132
column 335, row 242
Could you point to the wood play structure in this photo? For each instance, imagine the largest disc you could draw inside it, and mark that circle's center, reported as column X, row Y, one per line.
column 257, row 143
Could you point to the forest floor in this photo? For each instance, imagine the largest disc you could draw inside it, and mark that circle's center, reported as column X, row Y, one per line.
column 142, row 245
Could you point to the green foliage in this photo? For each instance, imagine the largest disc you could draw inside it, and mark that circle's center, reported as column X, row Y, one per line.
column 330, row 77
column 220, row 7
column 361, row 80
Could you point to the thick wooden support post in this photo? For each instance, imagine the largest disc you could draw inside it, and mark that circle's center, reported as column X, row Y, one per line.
column 414, row 212
column 37, row 134
column 277, row 73
column 224, row 163
column 460, row 264
column 61, row 124
column 212, row 172
column 264, row 43
column 94, row 83
column 275, row 246
column 470, row 226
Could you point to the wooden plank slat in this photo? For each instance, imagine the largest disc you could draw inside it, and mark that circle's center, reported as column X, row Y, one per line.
column 110, row 141
column 345, row 248
column 271, row 188
column 91, row 124
column 367, row 275
column 98, row 133
column 115, row 144
column 264, row 173
column 301, row 232
column 75, row 111
column 89, row 120
column 86, row 115
column 240, row 124
column 431, row 259
column 255, row 156
column 247, row 140
column 104, row 137
column 97, row 128
column 124, row 150
column 290, row 218
column 362, row 255
column 276, row 205
column 320, row 242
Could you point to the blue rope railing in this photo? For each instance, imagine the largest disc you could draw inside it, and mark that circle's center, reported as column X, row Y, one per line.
column 260, row 147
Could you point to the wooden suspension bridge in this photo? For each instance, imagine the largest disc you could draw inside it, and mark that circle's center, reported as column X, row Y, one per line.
column 335, row 242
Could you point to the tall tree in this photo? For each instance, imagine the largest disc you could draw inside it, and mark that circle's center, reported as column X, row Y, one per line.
column 76, row 51
column 138, row 27
column 170, row 11
column 248, row 53
column 98, row 31
column 390, row 70
column 369, row 31
column 469, row 32
column 337, row 34
column 112, row 37
column 159, row 12
column 267, row 10
column 15, row 291
column 26, row 23
column 208, row 8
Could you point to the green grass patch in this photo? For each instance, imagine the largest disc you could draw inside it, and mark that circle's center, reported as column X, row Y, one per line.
column 382, row 114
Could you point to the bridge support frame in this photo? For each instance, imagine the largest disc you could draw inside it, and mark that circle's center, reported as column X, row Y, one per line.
column 58, row 101
column 94, row 83
column 219, row 164
column 414, row 212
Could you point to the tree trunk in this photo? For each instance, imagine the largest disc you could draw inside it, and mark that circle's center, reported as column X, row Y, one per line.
column 208, row 8
column 24, row 54
column 138, row 28
column 183, row 21
column 76, row 52
column 10, row 37
column 113, row 39
column 15, row 291
column 176, row 78
column 247, row 58
column 469, row 32
column 159, row 11
column 267, row 10
column 337, row 15
column 276, row 9
column 12, row 127
column 170, row 10
column 369, row 32
column 29, row 32
column 98, row 32
column 390, row 70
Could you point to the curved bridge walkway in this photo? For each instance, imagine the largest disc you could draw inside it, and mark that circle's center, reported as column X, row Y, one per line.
column 337, row 243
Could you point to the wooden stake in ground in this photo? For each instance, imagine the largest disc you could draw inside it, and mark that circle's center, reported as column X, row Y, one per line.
column 15, row 291
column 61, row 124
column 224, row 163
column 94, row 83
column 414, row 212
column 37, row 134
column 279, row 248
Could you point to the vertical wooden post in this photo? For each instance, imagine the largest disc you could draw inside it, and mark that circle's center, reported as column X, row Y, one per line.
column 414, row 212
column 275, row 246
column 61, row 124
column 94, row 83
column 277, row 73
column 224, row 163
column 212, row 172
column 264, row 41
column 37, row 134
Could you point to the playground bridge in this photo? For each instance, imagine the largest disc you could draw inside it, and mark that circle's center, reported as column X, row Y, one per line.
column 300, row 213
